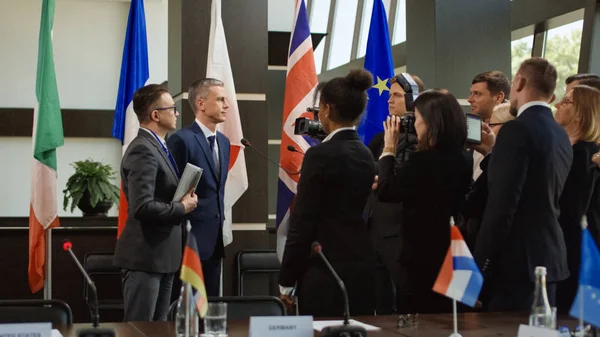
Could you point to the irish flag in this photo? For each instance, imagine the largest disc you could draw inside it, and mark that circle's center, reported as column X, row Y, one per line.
column 47, row 136
column 219, row 67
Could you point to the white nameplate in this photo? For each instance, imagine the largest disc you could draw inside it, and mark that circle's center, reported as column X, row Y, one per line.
column 533, row 331
column 284, row 326
column 26, row 329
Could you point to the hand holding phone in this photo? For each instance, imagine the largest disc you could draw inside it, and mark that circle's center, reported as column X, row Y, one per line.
column 473, row 128
column 488, row 139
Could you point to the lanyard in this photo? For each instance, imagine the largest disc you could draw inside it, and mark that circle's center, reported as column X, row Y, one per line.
column 166, row 151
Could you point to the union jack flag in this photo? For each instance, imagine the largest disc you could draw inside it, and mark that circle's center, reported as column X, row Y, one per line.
column 300, row 84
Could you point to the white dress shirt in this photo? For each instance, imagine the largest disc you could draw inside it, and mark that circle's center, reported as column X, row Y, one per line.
column 530, row 104
column 208, row 133
column 329, row 136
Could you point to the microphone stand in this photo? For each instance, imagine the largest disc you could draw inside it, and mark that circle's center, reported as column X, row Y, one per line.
column 91, row 284
column 246, row 143
column 345, row 329
column 95, row 331
column 342, row 287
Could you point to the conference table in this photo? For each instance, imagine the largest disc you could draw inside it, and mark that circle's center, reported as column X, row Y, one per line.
column 469, row 325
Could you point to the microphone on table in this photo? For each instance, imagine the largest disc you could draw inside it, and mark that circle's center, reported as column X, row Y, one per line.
column 95, row 331
column 345, row 330
column 292, row 148
column 246, row 143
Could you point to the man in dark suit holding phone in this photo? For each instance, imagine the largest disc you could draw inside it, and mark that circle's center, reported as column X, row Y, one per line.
column 202, row 145
column 149, row 249
column 526, row 174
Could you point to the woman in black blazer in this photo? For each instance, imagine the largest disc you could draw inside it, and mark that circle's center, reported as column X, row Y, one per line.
column 432, row 184
column 579, row 114
column 337, row 177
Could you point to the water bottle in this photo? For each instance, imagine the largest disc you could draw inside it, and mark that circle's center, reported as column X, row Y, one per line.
column 186, row 316
column 541, row 312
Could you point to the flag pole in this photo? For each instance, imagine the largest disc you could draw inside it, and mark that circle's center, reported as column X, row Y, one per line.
column 581, row 306
column 48, row 266
column 454, row 310
column 455, row 319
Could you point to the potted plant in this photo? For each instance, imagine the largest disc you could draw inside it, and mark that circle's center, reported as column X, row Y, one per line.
column 90, row 188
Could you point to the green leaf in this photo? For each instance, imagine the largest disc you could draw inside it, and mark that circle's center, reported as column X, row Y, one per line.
column 92, row 176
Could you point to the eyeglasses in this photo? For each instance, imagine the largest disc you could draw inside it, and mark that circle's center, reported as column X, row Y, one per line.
column 168, row 108
column 565, row 101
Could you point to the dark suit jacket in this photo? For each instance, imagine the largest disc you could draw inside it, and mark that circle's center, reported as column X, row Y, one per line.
column 151, row 240
column 475, row 205
column 593, row 212
column 384, row 219
column 336, row 181
column 526, row 174
column 576, row 199
column 432, row 186
column 189, row 145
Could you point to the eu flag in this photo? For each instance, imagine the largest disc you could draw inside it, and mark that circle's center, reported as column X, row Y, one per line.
column 587, row 301
column 378, row 61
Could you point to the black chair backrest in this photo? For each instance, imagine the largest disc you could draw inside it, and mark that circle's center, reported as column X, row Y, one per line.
column 243, row 307
column 100, row 262
column 99, row 265
column 35, row 311
column 255, row 261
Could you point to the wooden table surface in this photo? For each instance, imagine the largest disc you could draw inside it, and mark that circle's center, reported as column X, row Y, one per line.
column 469, row 325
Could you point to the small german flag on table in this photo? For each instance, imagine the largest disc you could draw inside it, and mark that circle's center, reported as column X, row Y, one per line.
column 191, row 272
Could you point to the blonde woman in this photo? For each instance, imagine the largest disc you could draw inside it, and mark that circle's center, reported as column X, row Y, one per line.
column 579, row 114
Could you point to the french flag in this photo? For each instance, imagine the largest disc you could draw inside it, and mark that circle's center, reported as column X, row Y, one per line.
column 300, row 84
column 134, row 75
column 459, row 278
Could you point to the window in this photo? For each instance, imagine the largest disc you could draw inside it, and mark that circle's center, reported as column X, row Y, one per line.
column 319, row 15
column 400, row 27
column 343, row 31
column 318, row 54
column 521, row 47
column 520, row 51
column 366, row 23
column 562, row 50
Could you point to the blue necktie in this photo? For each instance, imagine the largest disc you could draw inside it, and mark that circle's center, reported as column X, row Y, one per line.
column 211, row 143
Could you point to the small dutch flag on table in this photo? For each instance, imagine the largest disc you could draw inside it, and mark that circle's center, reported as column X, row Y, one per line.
column 459, row 278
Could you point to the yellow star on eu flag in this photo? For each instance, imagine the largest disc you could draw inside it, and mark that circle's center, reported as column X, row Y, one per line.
column 381, row 85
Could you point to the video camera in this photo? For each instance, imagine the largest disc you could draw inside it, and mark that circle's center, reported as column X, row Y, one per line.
column 411, row 89
column 309, row 127
column 407, row 124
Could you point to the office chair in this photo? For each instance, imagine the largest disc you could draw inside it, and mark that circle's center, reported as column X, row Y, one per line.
column 243, row 307
column 107, row 277
column 35, row 311
column 251, row 261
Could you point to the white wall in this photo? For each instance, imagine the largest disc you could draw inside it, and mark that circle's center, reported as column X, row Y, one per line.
column 15, row 170
column 88, row 41
column 281, row 15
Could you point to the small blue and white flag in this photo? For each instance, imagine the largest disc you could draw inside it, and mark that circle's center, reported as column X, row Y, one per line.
column 587, row 302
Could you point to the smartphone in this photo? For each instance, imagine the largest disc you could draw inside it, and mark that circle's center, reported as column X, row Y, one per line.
column 473, row 128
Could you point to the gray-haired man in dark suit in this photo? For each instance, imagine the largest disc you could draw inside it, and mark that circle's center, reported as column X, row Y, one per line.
column 149, row 248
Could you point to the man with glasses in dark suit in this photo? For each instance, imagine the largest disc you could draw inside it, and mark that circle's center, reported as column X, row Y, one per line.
column 149, row 250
